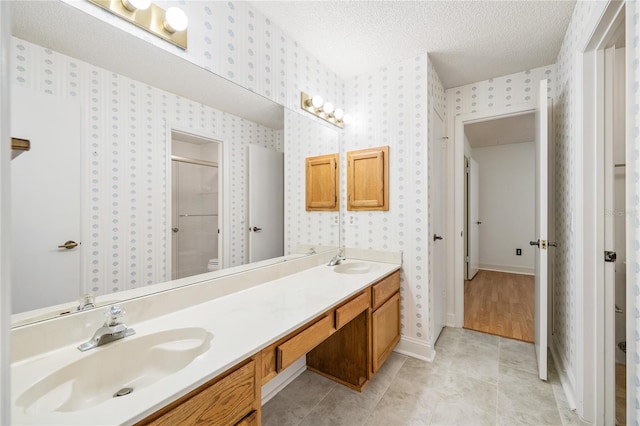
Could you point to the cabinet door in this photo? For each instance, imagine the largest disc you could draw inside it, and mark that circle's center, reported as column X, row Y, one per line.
column 385, row 325
column 368, row 179
column 322, row 183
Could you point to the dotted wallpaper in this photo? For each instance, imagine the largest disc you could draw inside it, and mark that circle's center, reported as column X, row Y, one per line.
column 306, row 136
column 633, row 201
column 235, row 41
column 124, row 137
column 499, row 92
column 390, row 107
column 567, row 162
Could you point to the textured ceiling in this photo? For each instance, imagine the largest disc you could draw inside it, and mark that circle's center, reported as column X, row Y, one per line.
column 467, row 41
column 502, row 131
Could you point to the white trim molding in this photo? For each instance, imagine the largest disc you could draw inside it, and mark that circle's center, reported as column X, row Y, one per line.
column 415, row 348
column 285, row 377
column 509, row 269
column 567, row 379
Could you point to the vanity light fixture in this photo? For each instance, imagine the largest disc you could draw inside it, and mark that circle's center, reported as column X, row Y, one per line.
column 175, row 20
column 170, row 25
column 317, row 106
column 133, row 5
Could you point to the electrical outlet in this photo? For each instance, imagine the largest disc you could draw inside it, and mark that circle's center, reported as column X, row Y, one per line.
column 518, row 252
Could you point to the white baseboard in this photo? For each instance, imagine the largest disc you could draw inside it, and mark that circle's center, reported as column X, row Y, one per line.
column 451, row 321
column 285, row 377
column 415, row 348
column 509, row 269
column 566, row 377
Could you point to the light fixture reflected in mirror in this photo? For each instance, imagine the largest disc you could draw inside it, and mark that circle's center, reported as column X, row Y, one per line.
column 326, row 110
column 170, row 25
column 175, row 20
column 133, row 5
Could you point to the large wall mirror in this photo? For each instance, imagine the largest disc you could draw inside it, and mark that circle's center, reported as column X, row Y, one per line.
column 146, row 161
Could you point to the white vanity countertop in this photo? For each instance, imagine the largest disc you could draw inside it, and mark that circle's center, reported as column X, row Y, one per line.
column 242, row 324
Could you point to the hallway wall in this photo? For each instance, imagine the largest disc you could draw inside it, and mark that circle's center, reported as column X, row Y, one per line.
column 633, row 208
column 391, row 107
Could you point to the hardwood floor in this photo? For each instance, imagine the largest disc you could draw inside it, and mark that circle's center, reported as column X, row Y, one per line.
column 500, row 303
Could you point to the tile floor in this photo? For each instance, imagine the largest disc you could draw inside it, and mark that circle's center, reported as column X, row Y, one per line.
column 476, row 379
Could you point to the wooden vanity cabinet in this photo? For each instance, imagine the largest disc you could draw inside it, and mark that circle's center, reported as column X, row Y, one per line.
column 231, row 399
column 385, row 319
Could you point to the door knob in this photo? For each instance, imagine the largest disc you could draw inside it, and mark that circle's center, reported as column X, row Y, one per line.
column 436, row 237
column 534, row 243
column 69, row 245
column 175, row 229
column 256, row 229
column 553, row 244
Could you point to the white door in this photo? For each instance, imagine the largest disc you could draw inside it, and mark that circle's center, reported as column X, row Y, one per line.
column 474, row 219
column 438, row 203
column 266, row 203
column 45, row 200
column 541, row 262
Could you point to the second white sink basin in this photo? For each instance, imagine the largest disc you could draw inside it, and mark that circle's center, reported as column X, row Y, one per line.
column 123, row 366
column 352, row 268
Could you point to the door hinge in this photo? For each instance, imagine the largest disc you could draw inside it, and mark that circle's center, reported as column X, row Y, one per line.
column 609, row 256
column 468, row 259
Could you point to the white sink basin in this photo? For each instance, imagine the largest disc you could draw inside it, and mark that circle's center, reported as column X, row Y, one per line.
column 352, row 268
column 133, row 362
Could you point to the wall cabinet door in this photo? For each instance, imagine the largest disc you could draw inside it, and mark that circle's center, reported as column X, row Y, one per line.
column 322, row 183
column 385, row 330
column 368, row 179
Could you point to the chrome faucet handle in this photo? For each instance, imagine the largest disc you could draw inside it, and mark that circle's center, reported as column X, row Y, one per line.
column 114, row 315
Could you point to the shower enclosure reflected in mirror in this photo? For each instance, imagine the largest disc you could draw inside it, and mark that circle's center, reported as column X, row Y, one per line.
column 196, row 192
column 123, row 185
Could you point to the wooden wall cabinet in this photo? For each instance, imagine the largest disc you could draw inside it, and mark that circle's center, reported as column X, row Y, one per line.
column 322, row 183
column 368, row 179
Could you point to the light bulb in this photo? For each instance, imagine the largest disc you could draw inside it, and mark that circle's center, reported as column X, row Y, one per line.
column 133, row 5
column 338, row 113
column 347, row 119
column 328, row 107
column 317, row 101
column 175, row 20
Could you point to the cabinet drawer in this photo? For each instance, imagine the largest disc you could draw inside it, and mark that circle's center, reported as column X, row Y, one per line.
column 352, row 309
column 226, row 402
column 384, row 288
column 303, row 342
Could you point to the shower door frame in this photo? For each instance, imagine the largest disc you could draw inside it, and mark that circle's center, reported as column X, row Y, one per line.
column 223, row 196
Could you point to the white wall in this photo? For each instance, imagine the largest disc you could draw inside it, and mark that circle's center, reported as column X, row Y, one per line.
column 633, row 206
column 507, row 206
column 5, row 225
column 404, row 92
column 305, row 136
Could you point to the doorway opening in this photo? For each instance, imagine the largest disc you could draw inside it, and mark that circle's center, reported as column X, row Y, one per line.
column 196, row 194
column 499, row 222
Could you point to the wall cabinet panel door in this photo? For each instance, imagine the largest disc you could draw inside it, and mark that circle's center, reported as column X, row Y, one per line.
column 368, row 179
column 322, row 183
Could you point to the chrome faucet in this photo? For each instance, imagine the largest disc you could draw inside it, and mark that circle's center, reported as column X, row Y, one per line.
column 335, row 260
column 112, row 329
